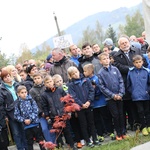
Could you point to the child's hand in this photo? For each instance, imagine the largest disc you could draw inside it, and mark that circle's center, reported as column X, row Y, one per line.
column 27, row 121
column 87, row 104
column 47, row 118
column 119, row 97
column 115, row 97
column 83, row 106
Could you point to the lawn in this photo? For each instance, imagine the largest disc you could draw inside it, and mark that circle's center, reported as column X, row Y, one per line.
column 127, row 144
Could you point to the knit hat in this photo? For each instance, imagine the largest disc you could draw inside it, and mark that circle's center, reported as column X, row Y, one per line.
column 108, row 42
column 49, row 57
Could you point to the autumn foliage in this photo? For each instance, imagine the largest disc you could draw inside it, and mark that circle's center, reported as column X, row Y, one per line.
column 60, row 121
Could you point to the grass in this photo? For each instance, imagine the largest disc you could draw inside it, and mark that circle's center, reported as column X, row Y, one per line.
column 127, row 144
column 135, row 139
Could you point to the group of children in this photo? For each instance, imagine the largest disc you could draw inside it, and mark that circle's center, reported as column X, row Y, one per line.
column 99, row 97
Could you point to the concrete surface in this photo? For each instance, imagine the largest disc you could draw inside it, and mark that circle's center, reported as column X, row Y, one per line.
column 145, row 146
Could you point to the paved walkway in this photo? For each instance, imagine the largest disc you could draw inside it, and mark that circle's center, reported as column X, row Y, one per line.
column 36, row 147
column 145, row 146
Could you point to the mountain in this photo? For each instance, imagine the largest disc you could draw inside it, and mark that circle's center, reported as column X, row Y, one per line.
column 115, row 18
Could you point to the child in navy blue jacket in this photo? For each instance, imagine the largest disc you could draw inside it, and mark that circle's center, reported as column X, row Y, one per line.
column 138, row 81
column 26, row 111
column 112, row 86
column 102, row 116
column 83, row 93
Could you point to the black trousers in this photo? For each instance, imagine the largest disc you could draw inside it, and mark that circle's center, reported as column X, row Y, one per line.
column 67, row 134
column 143, row 112
column 86, row 121
column 103, row 120
column 116, row 110
column 4, row 142
column 34, row 132
column 130, row 108
column 75, row 126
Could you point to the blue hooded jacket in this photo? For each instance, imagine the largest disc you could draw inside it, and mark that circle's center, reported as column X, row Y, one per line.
column 99, row 100
column 138, row 81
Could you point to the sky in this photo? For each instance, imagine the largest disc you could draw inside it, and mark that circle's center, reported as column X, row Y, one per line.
column 32, row 21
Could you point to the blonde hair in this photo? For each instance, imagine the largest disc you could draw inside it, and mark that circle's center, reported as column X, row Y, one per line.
column 70, row 70
column 10, row 68
column 48, row 77
column 102, row 54
column 56, row 76
column 21, row 87
column 89, row 67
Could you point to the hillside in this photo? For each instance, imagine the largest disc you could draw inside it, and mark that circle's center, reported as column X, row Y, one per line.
column 115, row 18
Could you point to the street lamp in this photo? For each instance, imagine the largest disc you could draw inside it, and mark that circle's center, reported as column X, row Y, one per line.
column 56, row 24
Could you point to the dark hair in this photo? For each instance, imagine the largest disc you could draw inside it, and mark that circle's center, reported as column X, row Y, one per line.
column 137, row 57
column 22, row 71
column 30, row 67
column 85, row 45
column 4, row 73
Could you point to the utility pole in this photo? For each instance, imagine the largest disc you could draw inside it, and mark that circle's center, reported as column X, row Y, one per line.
column 56, row 24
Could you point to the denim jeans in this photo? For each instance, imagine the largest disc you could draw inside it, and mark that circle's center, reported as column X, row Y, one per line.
column 18, row 134
column 46, row 130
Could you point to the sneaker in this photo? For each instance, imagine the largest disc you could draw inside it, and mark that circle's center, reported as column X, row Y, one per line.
column 90, row 144
column 148, row 129
column 125, row 136
column 112, row 136
column 82, row 142
column 79, row 145
column 118, row 138
column 100, row 138
column 144, row 131
column 96, row 142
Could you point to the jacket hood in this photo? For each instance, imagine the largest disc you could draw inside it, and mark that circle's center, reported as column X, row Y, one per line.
column 83, row 58
column 60, row 62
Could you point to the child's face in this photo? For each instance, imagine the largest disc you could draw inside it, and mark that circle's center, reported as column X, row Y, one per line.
column 23, row 94
column 87, row 73
column 23, row 75
column 75, row 74
column 59, row 82
column 138, row 63
column 105, row 61
column 38, row 80
column 49, row 83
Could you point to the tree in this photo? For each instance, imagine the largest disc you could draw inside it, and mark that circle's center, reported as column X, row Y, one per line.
column 25, row 53
column 3, row 60
column 121, row 30
column 12, row 59
column 99, row 32
column 134, row 24
column 110, row 33
column 92, row 36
